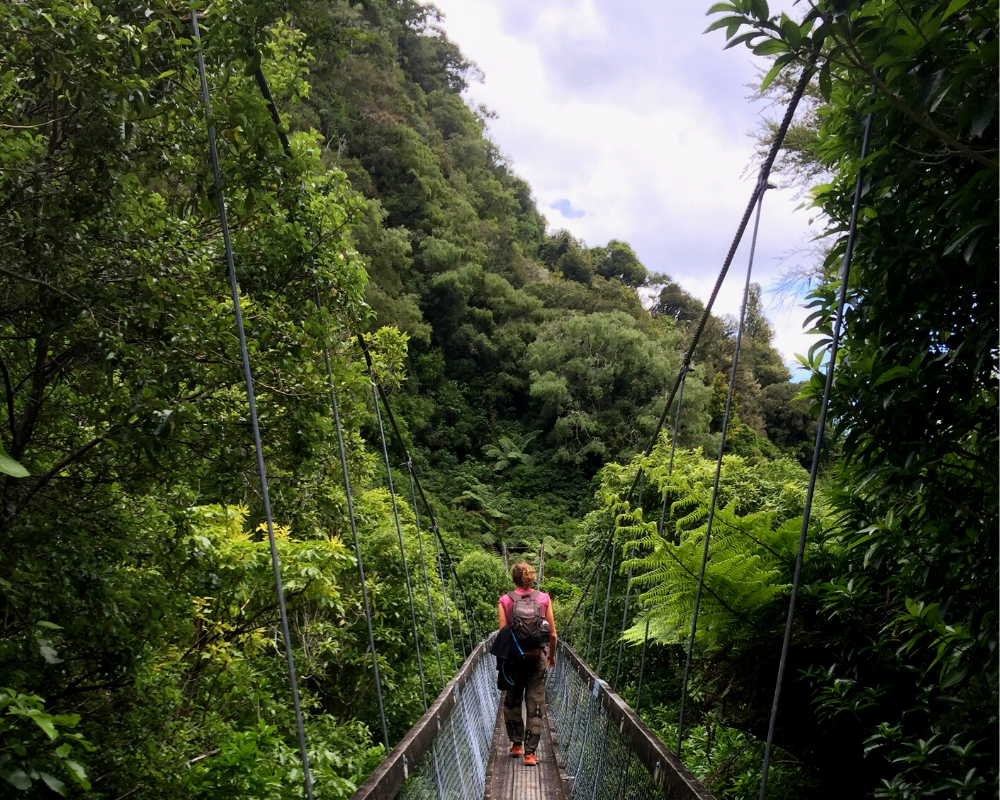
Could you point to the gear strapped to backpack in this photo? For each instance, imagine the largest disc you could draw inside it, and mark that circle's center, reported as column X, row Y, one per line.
column 527, row 621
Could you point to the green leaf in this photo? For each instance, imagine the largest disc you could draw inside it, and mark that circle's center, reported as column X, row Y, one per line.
column 825, row 84
column 17, row 778
column 722, row 22
column 954, row 7
column 772, row 73
column 54, row 783
column 954, row 245
column 78, row 773
column 44, row 721
column 982, row 118
column 770, row 47
column 790, row 30
column 8, row 466
column 890, row 375
column 743, row 37
column 954, row 676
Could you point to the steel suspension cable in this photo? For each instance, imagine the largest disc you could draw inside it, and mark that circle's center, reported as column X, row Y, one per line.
column 718, row 472
column 765, row 171
column 461, row 632
column 265, row 91
column 607, row 598
column 252, row 402
column 628, row 590
column 590, row 636
column 416, row 478
column 659, row 530
column 286, row 147
column 423, row 564
column 844, row 275
column 444, row 595
column 402, row 548
column 470, row 620
column 334, row 405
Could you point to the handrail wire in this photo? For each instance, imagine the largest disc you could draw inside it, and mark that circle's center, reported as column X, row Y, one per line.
column 541, row 564
column 590, row 635
column 416, row 480
column 252, row 402
column 628, row 591
column 444, row 594
column 607, row 599
column 461, row 633
column 265, row 91
column 718, row 472
column 765, row 171
column 423, row 564
column 402, row 548
column 354, row 526
column 663, row 515
column 845, row 269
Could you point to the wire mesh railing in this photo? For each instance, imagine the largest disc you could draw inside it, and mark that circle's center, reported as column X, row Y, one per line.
column 445, row 754
column 606, row 750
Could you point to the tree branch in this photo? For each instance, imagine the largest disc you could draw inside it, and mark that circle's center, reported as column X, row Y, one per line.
column 923, row 121
column 6, row 127
column 203, row 756
column 44, row 479
column 26, row 424
column 28, row 279
column 10, row 396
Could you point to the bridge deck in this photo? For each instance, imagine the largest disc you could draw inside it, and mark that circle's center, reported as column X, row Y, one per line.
column 508, row 778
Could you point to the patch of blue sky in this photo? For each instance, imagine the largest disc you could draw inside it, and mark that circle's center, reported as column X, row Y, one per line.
column 565, row 208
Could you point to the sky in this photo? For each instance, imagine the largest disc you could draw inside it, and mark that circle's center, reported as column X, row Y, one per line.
column 631, row 124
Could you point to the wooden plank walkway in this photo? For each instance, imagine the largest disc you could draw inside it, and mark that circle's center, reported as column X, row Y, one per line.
column 508, row 778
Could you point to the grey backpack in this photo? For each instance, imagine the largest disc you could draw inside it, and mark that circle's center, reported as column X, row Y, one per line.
column 527, row 621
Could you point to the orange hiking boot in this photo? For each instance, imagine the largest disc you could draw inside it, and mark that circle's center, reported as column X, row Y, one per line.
column 516, row 750
column 530, row 760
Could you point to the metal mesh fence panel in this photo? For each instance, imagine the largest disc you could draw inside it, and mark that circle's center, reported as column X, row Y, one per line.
column 599, row 761
column 455, row 766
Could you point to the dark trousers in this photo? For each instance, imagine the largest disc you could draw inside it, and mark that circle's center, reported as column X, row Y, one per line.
column 529, row 689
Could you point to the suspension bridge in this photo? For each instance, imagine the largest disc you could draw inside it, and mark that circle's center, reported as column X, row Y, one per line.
column 594, row 746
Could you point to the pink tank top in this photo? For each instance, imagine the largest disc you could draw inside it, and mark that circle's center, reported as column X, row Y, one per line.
column 508, row 604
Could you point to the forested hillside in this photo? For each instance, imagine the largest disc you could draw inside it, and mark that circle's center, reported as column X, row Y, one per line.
column 531, row 361
column 140, row 648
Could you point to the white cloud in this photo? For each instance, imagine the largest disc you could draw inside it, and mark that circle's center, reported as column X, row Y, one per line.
column 623, row 110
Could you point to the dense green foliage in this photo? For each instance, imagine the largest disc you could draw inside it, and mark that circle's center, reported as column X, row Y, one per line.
column 140, row 652
column 893, row 666
column 907, row 614
column 129, row 616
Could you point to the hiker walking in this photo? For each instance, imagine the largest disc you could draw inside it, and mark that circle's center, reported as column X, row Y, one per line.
column 528, row 640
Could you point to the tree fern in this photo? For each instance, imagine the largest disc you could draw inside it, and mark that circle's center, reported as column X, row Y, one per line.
column 751, row 552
